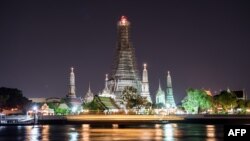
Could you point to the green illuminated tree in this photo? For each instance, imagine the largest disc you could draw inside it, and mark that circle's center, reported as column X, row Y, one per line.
column 52, row 105
column 61, row 111
column 196, row 101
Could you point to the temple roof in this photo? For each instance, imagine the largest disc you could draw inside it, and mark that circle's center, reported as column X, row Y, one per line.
column 106, row 103
column 160, row 91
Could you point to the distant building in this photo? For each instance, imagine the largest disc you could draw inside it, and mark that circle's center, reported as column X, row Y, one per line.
column 106, row 92
column 45, row 110
column 38, row 100
column 53, row 100
column 160, row 96
column 125, row 71
column 208, row 92
column 89, row 96
column 170, row 102
column 72, row 101
column 45, row 100
column 240, row 94
column 145, row 84
column 72, row 87
column 106, row 104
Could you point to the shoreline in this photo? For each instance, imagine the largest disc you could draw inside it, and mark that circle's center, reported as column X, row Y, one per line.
column 139, row 119
column 149, row 119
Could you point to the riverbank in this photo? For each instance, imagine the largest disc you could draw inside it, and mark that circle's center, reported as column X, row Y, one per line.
column 145, row 119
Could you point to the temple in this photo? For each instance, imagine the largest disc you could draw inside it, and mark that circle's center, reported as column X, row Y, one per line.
column 72, row 88
column 170, row 102
column 73, row 102
column 145, row 84
column 89, row 96
column 125, row 71
column 160, row 96
column 106, row 91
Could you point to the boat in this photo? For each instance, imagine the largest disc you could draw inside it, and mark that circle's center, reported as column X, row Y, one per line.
column 16, row 120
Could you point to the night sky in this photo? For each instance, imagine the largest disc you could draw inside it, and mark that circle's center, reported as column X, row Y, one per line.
column 204, row 43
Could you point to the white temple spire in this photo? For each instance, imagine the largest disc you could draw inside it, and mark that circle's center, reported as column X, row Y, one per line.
column 145, row 73
column 160, row 96
column 169, row 81
column 159, row 85
column 170, row 102
column 145, row 84
column 89, row 88
column 106, row 81
column 89, row 95
column 72, row 88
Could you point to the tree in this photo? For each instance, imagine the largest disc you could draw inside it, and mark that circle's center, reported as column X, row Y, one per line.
column 241, row 104
column 132, row 99
column 52, row 105
column 227, row 100
column 61, row 111
column 12, row 98
column 197, row 101
column 248, row 104
column 3, row 100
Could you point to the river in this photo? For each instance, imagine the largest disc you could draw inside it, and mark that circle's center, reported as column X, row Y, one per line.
column 85, row 132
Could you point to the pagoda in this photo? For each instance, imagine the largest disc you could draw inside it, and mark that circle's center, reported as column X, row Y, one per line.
column 125, row 71
column 170, row 102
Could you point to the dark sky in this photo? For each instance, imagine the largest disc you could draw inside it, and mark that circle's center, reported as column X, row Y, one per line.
column 204, row 43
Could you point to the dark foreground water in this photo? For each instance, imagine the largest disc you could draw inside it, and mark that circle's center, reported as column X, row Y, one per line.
column 85, row 132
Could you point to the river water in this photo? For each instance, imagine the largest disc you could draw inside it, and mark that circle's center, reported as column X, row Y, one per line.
column 85, row 132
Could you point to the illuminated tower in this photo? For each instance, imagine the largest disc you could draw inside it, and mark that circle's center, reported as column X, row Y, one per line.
column 125, row 71
column 170, row 103
column 106, row 92
column 73, row 102
column 89, row 96
column 145, row 84
column 72, row 88
column 160, row 96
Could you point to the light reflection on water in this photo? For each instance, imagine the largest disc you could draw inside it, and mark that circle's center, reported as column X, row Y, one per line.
column 85, row 132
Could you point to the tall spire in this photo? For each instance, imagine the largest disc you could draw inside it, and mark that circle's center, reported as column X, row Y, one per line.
column 170, row 102
column 159, row 88
column 169, row 81
column 106, row 91
column 145, row 84
column 89, row 95
column 72, row 88
column 123, row 30
column 125, row 71
column 145, row 73
column 106, row 82
column 89, row 88
column 160, row 95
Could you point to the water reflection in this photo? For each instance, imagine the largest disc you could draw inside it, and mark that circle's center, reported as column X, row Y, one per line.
column 211, row 132
column 33, row 133
column 86, row 132
column 73, row 136
column 45, row 132
column 168, row 132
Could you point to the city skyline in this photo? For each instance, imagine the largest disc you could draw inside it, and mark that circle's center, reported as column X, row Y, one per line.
column 203, row 44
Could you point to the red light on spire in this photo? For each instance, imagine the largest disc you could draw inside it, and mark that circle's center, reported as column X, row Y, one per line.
column 123, row 20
